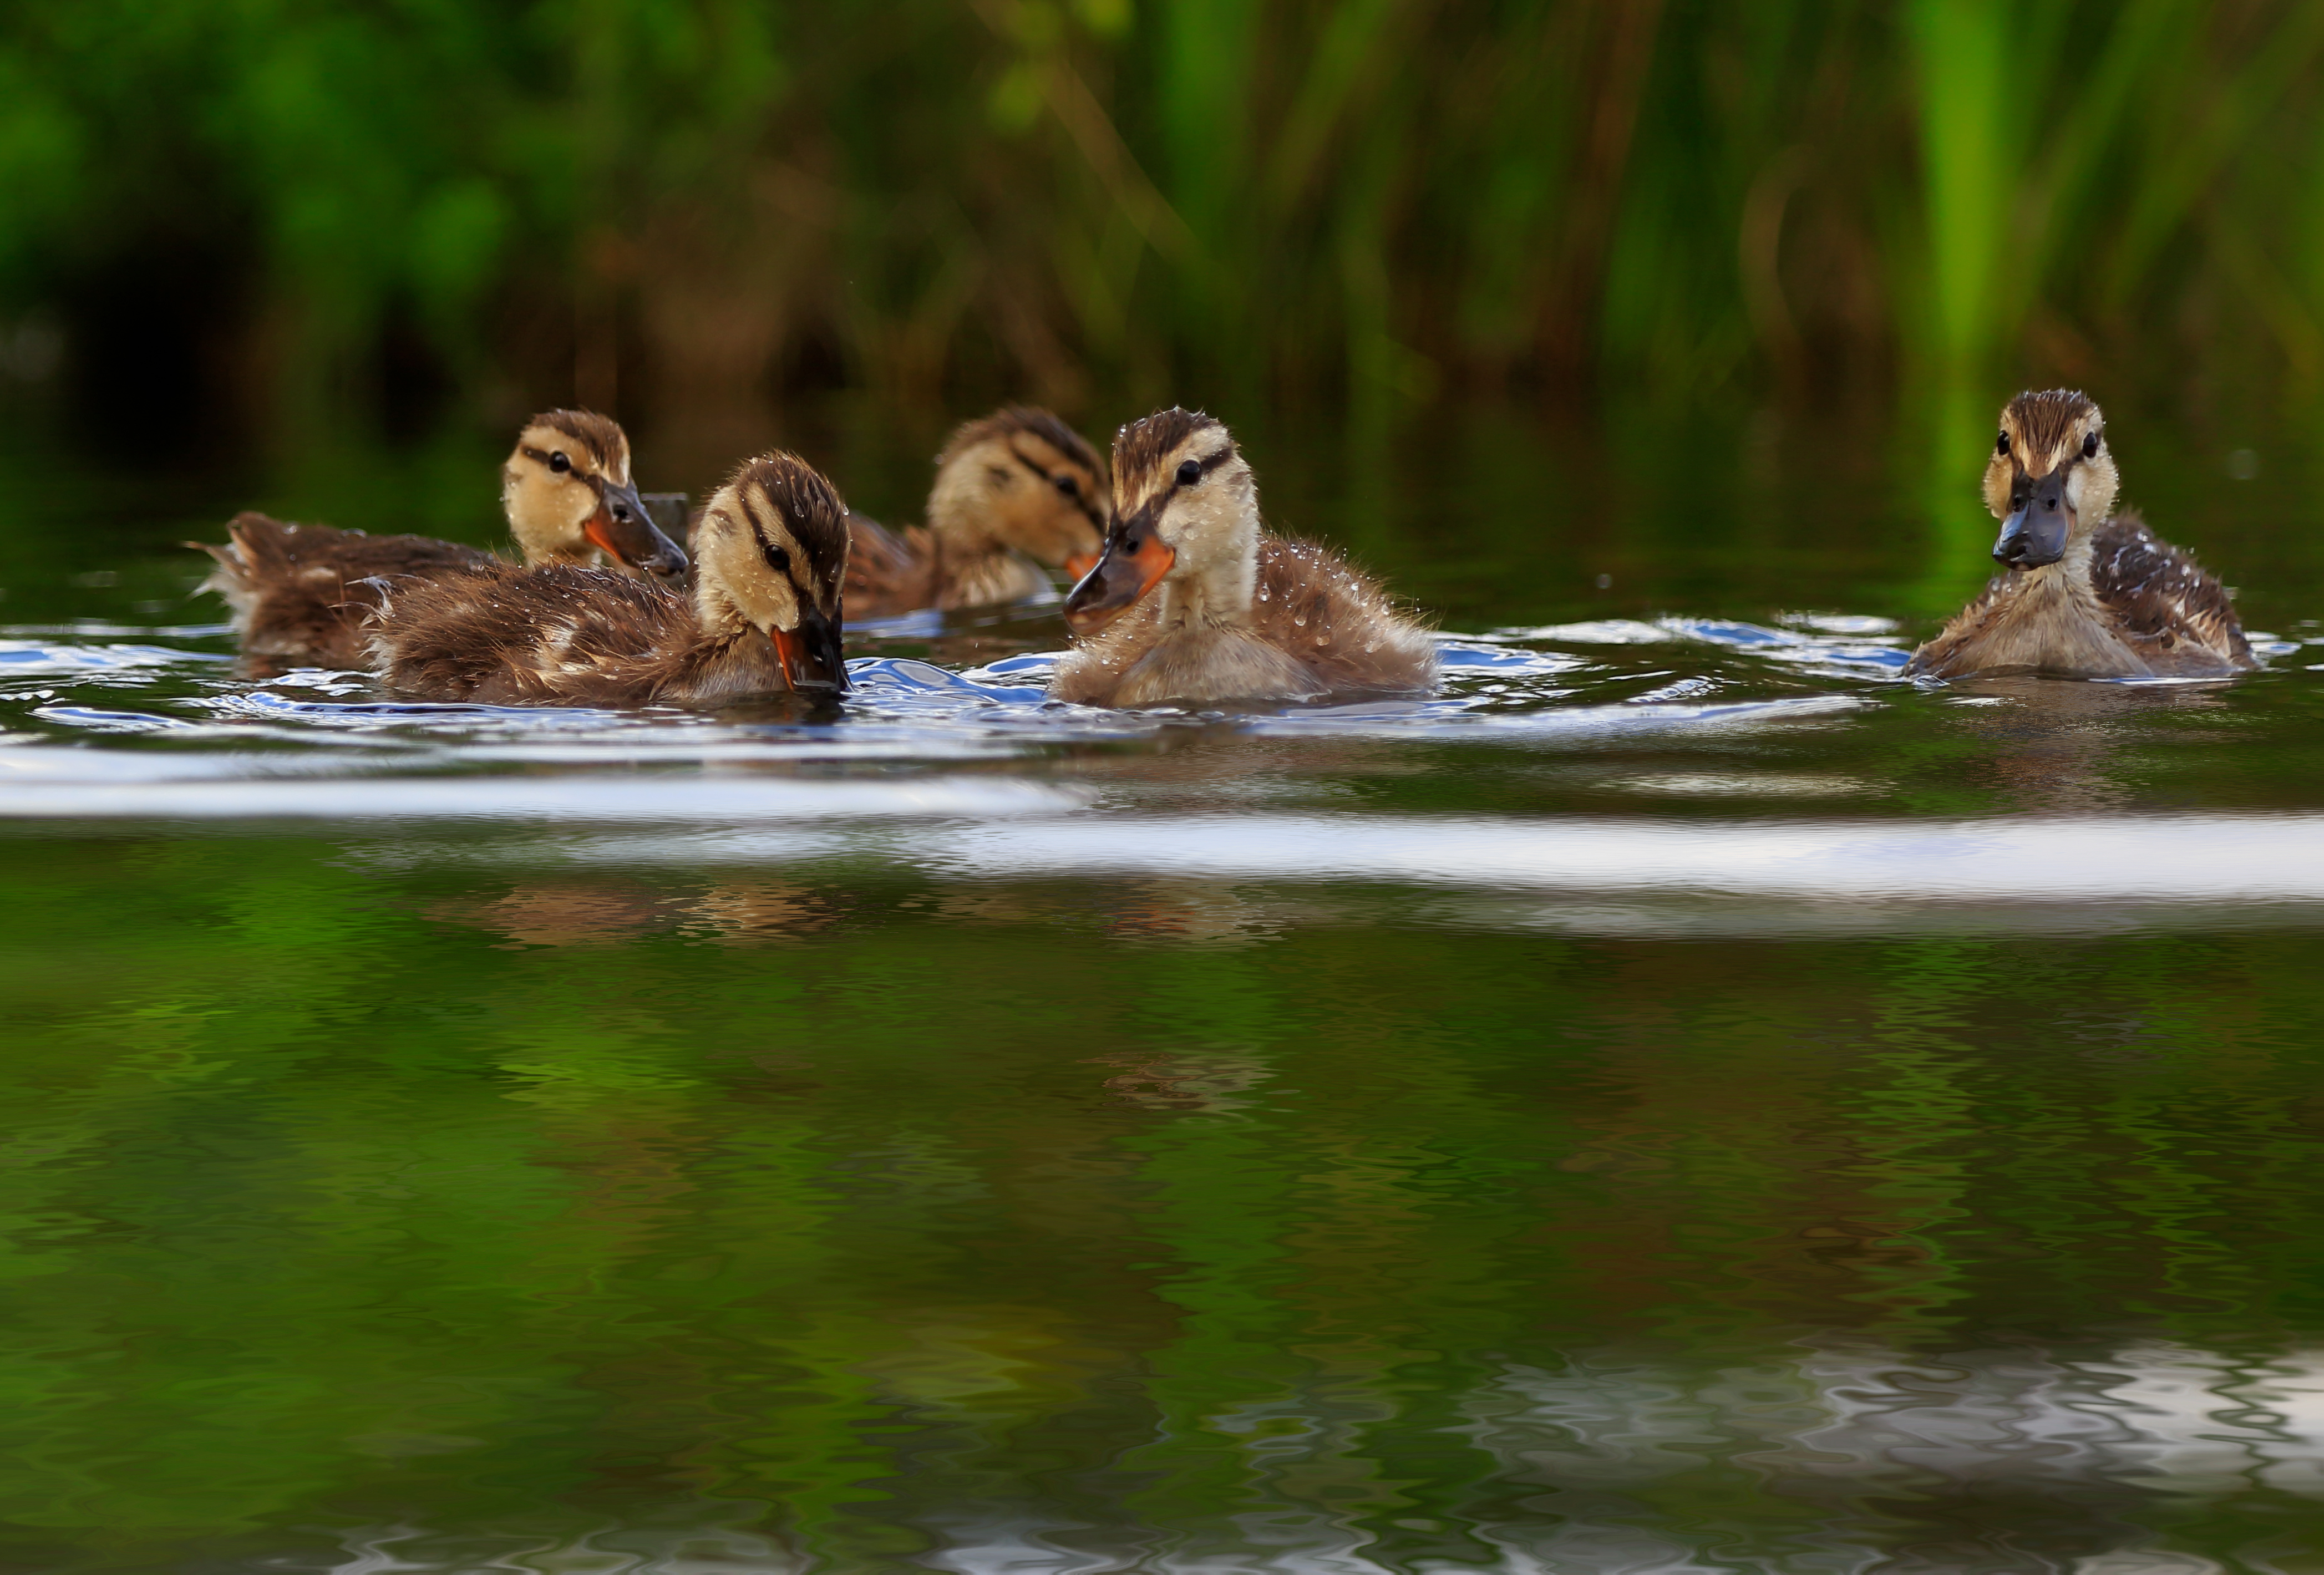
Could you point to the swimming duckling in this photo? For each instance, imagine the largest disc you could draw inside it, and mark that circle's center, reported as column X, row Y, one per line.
column 770, row 554
column 1193, row 602
column 2085, row 594
column 301, row 592
column 1017, row 486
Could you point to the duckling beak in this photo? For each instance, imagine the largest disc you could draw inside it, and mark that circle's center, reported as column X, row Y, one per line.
column 1132, row 564
column 621, row 529
column 1078, row 564
column 811, row 654
column 2035, row 533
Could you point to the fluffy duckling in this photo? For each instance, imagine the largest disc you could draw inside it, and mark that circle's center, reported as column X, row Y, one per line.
column 1018, row 486
column 2085, row 594
column 770, row 554
column 1193, row 602
column 302, row 593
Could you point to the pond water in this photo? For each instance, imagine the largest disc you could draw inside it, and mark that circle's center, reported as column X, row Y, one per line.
column 1685, row 1099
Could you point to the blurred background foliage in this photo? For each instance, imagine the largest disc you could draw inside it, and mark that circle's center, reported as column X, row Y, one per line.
column 680, row 209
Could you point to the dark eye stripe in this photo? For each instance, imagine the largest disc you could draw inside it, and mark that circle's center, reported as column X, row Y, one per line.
column 1038, row 473
column 540, row 457
column 1080, row 496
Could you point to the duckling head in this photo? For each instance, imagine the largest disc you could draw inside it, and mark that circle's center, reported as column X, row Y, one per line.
column 1185, row 511
column 772, row 551
column 567, row 491
column 2050, row 479
column 1021, row 478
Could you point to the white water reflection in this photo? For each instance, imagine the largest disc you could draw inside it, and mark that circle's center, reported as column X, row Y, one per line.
column 26, row 657
column 2161, row 858
column 1985, row 1457
column 1828, row 1457
column 1843, row 644
column 2163, row 1418
column 556, row 800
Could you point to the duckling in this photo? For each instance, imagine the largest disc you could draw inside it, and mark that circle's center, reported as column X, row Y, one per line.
column 1240, row 614
column 301, row 592
column 770, row 556
column 2086, row 594
column 1017, row 486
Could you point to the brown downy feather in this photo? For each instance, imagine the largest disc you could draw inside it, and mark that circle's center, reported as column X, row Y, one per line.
column 497, row 634
column 1318, row 626
column 892, row 571
column 996, row 507
column 2176, row 616
column 774, row 554
column 2126, row 605
column 1337, row 622
column 301, row 592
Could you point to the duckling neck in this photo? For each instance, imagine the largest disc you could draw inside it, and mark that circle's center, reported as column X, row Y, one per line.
column 1217, row 594
column 539, row 544
column 2060, row 589
column 2073, row 569
column 956, row 511
column 716, row 614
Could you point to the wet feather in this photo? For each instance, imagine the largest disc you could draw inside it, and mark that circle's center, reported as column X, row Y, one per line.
column 775, row 541
column 1237, row 612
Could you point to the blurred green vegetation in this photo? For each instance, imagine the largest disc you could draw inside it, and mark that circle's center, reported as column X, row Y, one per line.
column 685, row 204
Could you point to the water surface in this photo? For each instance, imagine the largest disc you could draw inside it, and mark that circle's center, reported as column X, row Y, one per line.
column 1683, row 1100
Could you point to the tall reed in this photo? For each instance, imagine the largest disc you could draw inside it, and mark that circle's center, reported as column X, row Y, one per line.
column 680, row 204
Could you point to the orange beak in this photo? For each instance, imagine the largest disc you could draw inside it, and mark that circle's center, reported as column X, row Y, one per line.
column 1078, row 564
column 1132, row 564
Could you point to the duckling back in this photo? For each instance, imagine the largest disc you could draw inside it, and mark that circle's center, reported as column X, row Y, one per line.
column 890, row 572
column 300, row 594
column 1337, row 622
column 498, row 634
column 2164, row 605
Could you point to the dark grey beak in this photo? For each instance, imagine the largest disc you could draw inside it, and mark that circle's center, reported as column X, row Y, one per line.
column 811, row 654
column 2036, row 531
column 628, row 531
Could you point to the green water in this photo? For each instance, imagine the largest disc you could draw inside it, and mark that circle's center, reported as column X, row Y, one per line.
column 1684, row 1102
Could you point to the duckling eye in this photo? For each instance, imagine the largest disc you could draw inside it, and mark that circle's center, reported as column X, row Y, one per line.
column 1189, row 473
column 2090, row 446
column 2002, row 447
column 778, row 559
column 1066, row 485
column 559, row 463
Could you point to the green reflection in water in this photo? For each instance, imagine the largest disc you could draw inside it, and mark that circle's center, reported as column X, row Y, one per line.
column 482, row 1197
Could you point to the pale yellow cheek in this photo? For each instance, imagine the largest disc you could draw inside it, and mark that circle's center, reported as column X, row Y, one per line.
column 1996, row 490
